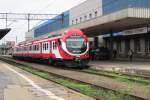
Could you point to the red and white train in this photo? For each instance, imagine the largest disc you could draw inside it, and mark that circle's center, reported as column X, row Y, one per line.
column 69, row 48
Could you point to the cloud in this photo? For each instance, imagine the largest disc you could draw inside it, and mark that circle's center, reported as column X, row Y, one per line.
column 31, row 6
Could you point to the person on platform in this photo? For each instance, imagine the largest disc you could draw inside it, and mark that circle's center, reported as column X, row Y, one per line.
column 114, row 53
column 130, row 54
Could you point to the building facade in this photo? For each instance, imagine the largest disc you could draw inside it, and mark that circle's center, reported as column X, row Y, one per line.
column 138, row 40
column 56, row 23
column 110, row 6
column 85, row 11
column 132, row 37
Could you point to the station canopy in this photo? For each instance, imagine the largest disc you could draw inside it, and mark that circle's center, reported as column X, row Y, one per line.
column 126, row 19
column 116, row 22
column 3, row 32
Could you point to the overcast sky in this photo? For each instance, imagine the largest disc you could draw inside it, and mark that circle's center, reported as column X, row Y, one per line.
column 30, row 6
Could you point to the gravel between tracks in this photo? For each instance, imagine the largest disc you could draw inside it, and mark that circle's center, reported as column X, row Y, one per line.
column 132, row 88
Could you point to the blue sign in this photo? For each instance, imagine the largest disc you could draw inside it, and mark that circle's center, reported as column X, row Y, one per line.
column 117, row 34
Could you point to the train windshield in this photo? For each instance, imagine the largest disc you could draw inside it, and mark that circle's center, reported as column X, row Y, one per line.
column 76, row 44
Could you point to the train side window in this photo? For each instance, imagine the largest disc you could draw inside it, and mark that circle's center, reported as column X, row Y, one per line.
column 30, row 48
column 49, row 46
column 36, row 47
column 43, row 46
column 33, row 47
column 46, row 46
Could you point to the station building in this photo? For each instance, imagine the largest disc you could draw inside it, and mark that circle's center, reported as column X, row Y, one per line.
column 116, row 24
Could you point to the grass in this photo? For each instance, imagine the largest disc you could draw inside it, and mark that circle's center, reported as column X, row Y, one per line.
column 82, row 87
column 119, row 77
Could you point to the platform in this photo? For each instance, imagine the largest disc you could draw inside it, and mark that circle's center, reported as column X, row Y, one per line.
column 138, row 66
column 16, row 84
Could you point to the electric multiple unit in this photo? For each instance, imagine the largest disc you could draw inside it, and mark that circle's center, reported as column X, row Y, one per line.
column 71, row 48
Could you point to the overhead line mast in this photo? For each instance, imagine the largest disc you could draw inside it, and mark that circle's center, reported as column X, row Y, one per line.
column 29, row 17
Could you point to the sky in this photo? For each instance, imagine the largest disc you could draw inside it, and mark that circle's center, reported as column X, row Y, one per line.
column 19, row 27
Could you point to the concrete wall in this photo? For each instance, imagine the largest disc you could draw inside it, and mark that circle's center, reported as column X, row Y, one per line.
column 84, row 9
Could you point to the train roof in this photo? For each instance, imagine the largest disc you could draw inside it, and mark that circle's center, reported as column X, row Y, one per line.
column 50, row 36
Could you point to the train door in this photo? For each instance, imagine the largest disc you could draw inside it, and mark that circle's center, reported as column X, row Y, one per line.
column 55, row 50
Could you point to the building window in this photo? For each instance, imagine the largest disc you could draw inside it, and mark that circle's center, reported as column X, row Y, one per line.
column 90, row 15
column 95, row 13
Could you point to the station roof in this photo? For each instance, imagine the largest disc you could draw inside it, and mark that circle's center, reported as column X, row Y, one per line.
column 118, row 21
column 125, row 19
column 3, row 32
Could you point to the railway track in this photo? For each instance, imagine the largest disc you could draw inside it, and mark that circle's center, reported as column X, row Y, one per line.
column 115, row 75
column 45, row 68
